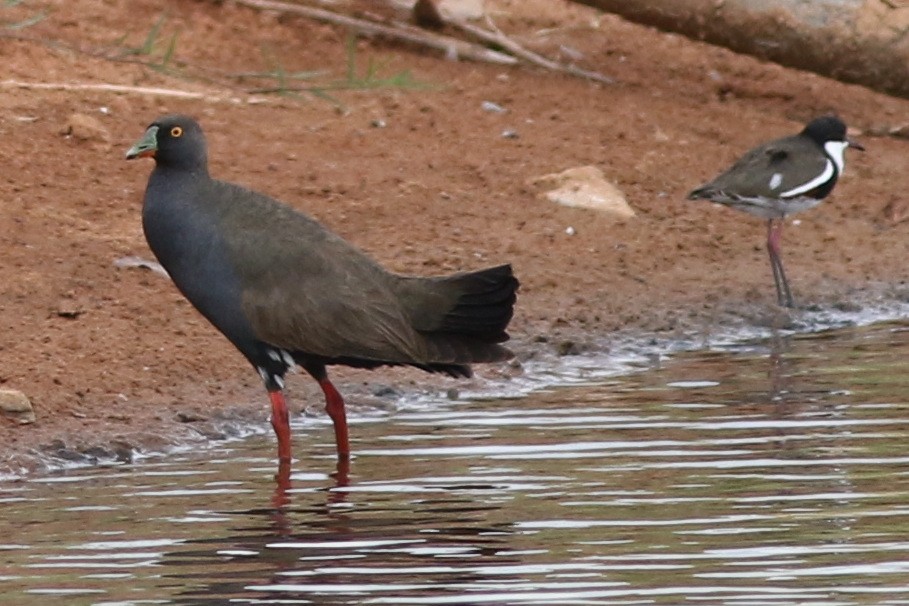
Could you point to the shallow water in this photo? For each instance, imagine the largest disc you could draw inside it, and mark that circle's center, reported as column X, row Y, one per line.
column 761, row 473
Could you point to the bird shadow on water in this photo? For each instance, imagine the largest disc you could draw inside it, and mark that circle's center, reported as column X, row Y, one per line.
column 279, row 546
column 282, row 497
column 255, row 553
column 783, row 392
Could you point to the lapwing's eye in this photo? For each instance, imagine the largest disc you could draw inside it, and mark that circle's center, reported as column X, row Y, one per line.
column 176, row 132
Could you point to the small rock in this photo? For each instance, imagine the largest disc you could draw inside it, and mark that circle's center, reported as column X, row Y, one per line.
column 585, row 187
column 385, row 391
column 210, row 433
column 569, row 348
column 495, row 108
column 67, row 308
column 15, row 405
column 190, row 417
column 847, row 306
column 85, row 128
column 125, row 262
column 457, row 10
column 896, row 211
column 510, row 134
column 96, row 453
column 123, row 451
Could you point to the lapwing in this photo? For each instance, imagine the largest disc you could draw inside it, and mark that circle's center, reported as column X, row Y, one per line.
column 781, row 178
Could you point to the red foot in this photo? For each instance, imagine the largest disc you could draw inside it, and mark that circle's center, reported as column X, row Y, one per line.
column 342, row 472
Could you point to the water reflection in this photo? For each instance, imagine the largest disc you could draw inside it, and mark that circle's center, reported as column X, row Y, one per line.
column 761, row 473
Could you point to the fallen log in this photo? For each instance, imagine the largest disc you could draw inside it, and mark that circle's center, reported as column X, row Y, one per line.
column 859, row 41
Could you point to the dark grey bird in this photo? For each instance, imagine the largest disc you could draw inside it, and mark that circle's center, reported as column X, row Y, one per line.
column 286, row 291
column 780, row 178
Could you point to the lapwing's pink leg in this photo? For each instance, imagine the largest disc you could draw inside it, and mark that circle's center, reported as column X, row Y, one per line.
column 280, row 421
column 774, row 235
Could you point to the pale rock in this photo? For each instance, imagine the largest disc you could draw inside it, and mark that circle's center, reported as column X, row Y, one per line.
column 15, row 405
column 450, row 10
column 463, row 10
column 585, row 187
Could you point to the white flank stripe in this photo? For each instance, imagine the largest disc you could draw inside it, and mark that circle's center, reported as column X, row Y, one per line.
column 817, row 181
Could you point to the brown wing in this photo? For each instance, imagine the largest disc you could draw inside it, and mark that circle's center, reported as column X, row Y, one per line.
column 306, row 289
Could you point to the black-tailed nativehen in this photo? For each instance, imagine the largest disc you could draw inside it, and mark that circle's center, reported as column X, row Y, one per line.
column 286, row 291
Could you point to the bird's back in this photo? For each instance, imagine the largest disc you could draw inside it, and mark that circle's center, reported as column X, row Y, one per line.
column 301, row 288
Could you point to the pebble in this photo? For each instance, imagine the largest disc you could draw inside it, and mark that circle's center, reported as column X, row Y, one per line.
column 495, row 108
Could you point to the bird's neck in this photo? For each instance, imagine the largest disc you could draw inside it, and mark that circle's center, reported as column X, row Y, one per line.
column 836, row 151
column 189, row 171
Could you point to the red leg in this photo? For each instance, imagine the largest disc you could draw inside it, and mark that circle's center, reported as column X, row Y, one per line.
column 334, row 405
column 280, row 421
column 342, row 473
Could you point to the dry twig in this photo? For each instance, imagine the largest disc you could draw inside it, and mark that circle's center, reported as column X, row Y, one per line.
column 120, row 88
column 450, row 46
column 496, row 36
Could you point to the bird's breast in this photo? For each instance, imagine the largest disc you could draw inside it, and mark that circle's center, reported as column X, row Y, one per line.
column 187, row 242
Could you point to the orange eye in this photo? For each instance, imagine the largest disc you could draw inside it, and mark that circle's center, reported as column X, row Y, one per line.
column 176, row 132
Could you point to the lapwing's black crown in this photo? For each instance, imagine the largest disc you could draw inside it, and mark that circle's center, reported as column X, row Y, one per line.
column 824, row 129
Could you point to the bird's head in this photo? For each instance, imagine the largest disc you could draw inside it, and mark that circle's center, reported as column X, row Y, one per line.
column 828, row 129
column 175, row 141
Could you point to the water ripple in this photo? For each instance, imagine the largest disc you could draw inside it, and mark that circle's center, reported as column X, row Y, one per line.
column 769, row 473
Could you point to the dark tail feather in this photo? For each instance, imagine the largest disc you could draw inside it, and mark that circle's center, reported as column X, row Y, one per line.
column 484, row 306
column 461, row 317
